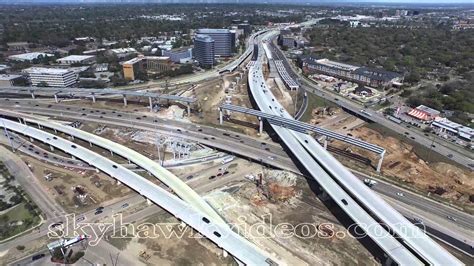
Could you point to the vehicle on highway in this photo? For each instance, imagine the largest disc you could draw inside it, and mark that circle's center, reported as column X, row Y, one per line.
column 189, row 177
column 400, row 194
column 370, row 182
column 82, row 218
column 450, row 155
column 271, row 158
column 38, row 256
column 98, row 212
column 212, row 177
column 452, row 218
column 125, row 205
column 228, row 159
column 417, row 220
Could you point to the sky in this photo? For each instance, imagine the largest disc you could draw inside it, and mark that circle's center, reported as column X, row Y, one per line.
column 332, row 2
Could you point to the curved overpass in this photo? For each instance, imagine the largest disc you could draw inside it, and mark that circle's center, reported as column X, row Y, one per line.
column 169, row 179
column 343, row 186
column 220, row 234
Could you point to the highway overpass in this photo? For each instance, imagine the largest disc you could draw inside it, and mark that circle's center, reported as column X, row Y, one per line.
column 356, row 199
column 220, row 234
column 181, row 189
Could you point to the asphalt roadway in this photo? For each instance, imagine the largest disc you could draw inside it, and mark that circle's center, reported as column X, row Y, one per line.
column 257, row 150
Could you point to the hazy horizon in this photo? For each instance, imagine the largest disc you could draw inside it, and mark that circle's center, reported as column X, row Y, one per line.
column 299, row 2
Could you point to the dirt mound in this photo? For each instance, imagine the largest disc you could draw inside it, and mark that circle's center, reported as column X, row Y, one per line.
column 443, row 179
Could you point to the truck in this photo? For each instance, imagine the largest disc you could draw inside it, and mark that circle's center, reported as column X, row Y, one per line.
column 369, row 182
column 228, row 159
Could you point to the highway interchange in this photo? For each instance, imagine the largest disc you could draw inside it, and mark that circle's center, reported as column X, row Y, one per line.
column 245, row 146
column 270, row 153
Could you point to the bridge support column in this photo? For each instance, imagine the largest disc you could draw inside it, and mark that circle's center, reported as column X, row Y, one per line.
column 97, row 170
column 260, row 125
column 150, row 100
column 72, row 137
column 93, row 97
column 112, row 153
column 220, row 116
column 56, row 98
column 19, row 120
column 379, row 164
column 224, row 253
column 32, row 94
column 32, row 139
column 55, row 131
column 119, row 183
column 148, row 201
column 189, row 109
column 72, row 157
column 90, row 144
column 124, row 100
column 51, row 147
column 325, row 143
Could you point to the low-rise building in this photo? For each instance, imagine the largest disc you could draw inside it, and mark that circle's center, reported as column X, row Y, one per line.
column 445, row 126
column 373, row 77
column 149, row 64
column 18, row 46
column 29, row 57
column 181, row 55
column 424, row 113
column 77, row 59
column 123, row 52
column 51, row 77
column 9, row 80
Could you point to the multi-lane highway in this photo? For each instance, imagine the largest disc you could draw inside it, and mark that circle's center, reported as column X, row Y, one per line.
column 421, row 245
column 220, row 234
column 243, row 145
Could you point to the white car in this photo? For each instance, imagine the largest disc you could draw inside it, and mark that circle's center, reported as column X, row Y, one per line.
column 400, row 194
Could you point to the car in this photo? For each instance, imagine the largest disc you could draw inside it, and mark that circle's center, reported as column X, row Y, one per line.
column 212, row 177
column 434, row 146
column 450, row 155
column 189, row 177
column 418, row 220
column 271, row 158
column 451, row 218
column 125, row 205
column 98, row 212
column 138, row 118
column 412, row 137
column 400, row 194
column 99, row 208
column 38, row 256
column 82, row 218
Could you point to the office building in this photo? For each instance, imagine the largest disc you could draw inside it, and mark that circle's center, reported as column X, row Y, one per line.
column 246, row 27
column 222, row 40
column 373, row 77
column 9, row 80
column 204, row 50
column 148, row 64
column 77, row 59
column 51, row 77
column 181, row 55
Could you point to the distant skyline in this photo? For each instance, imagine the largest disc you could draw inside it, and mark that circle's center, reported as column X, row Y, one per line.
column 325, row 2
